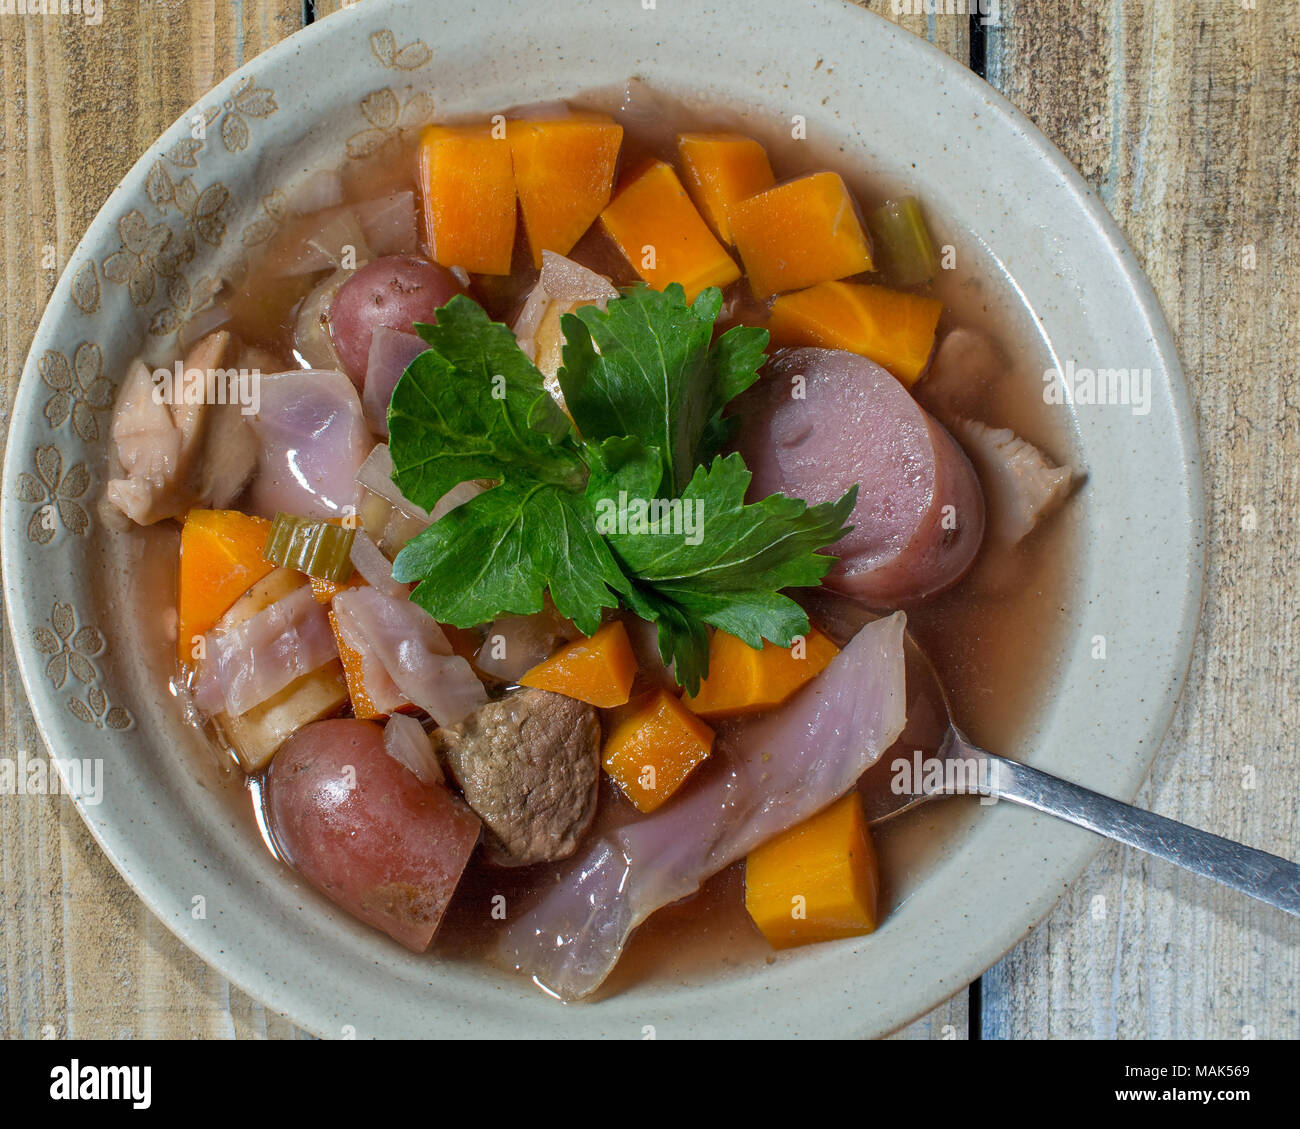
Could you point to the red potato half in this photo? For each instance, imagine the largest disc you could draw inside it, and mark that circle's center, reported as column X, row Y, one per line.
column 822, row 420
column 396, row 291
column 363, row 830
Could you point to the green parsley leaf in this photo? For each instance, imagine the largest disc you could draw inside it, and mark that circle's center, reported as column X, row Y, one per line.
column 474, row 406
column 734, row 362
column 500, row 552
column 656, row 374
column 621, row 465
column 708, row 558
column 639, row 509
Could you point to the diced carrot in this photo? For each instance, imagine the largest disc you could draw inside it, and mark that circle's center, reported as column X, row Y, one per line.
column 719, row 169
column 612, row 718
column 363, row 705
column 564, row 173
column 599, row 670
column 467, row 181
column 816, row 882
column 652, row 752
column 742, row 680
column 799, row 234
column 660, row 233
column 894, row 329
column 221, row 558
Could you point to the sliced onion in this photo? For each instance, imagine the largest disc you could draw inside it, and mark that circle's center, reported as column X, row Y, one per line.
column 261, row 656
column 321, row 190
column 384, row 226
column 517, row 643
column 643, row 107
column 389, row 224
column 312, row 343
column 562, row 287
column 403, row 639
column 374, row 513
column 391, row 351
column 339, row 229
column 376, row 475
column 206, row 321
column 530, row 318
column 375, row 568
column 408, row 744
column 458, row 495
column 398, row 530
column 383, row 692
column 570, row 282
column 331, row 231
column 312, row 441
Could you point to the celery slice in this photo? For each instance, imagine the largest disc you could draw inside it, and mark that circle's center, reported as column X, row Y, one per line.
column 902, row 242
column 318, row 548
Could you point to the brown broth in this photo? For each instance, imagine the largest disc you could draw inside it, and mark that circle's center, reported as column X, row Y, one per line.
column 995, row 639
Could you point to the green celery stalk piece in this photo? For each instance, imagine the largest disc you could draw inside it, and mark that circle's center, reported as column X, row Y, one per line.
column 902, row 242
column 318, row 548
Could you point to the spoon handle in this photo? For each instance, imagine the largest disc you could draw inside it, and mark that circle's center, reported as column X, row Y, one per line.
column 1267, row 877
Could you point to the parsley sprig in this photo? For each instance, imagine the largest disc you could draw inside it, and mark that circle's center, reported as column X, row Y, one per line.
column 647, row 386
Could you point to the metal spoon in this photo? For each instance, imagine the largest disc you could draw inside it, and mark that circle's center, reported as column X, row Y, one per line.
column 957, row 767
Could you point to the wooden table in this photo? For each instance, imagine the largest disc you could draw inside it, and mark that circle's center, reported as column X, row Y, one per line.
column 1186, row 118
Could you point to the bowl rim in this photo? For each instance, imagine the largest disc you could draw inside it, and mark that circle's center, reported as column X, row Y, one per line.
column 281, row 996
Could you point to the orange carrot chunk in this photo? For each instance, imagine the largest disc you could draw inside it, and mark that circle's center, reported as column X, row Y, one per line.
column 467, row 182
column 564, row 173
column 744, row 680
column 655, row 225
column 799, row 234
column 894, row 329
column 221, row 558
column 651, row 752
column 719, row 169
column 598, row 670
column 816, row 882
column 363, row 705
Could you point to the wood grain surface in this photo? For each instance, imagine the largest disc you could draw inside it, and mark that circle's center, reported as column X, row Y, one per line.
column 1184, row 116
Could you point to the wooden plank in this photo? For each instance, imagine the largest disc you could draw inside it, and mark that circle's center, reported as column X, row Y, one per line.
column 1185, row 122
column 949, row 32
column 323, row 8
column 81, row 955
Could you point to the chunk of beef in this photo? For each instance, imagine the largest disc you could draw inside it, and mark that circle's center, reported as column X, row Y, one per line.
column 529, row 764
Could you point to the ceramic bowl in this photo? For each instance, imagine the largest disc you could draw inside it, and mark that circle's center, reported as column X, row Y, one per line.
column 86, row 604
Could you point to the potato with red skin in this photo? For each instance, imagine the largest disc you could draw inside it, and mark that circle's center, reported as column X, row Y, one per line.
column 364, row 830
column 395, row 291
